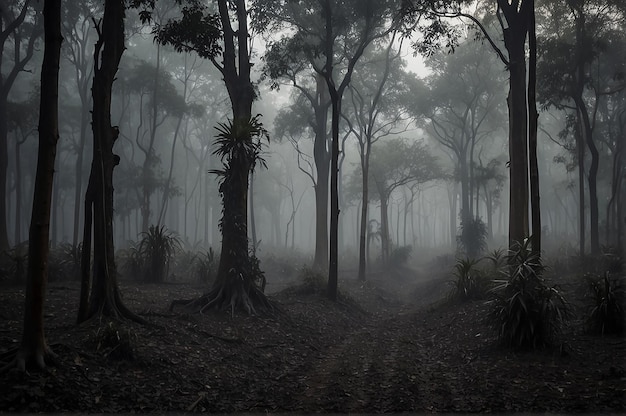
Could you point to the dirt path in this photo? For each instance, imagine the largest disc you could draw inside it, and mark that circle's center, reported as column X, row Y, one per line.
column 367, row 370
column 321, row 356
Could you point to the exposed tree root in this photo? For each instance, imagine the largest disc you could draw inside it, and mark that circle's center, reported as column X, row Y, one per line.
column 229, row 298
column 24, row 360
column 113, row 307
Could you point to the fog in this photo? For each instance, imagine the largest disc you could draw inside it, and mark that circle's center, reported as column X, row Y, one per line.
column 167, row 104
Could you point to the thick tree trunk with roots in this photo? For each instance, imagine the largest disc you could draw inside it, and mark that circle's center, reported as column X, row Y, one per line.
column 235, row 286
column 104, row 298
column 33, row 349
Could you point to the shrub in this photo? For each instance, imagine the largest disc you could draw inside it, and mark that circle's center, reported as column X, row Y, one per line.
column 156, row 248
column 131, row 261
column 473, row 237
column 400, row 256
column 205, row 266
column 606, row 298
column 17, row 263
column 114, row 341
column 497, row 259
column 525, row 312
column 313, row 282
column 64, row 261
column 470, row 283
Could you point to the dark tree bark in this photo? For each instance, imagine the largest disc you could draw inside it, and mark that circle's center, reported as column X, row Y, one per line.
column 104, row 297
column 12, row 28
column 532, row 133
column 580, row 147
column 586, row 123
column 515, row 41
column 321, row 156
column 235, row 285
column 33, row 349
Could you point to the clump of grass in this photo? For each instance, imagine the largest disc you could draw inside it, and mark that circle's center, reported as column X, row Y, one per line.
column 400, row 256
column 470, row 282
column 472, row 240
column 114, row 341
column 157, row 248
column 313, row 282
column 205, row 266
column 606, row 302
column 525, row 311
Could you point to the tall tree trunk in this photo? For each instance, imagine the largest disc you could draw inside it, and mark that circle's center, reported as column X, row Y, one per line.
column 580, row 146
column 334, row 198
column 104, row 297
column 84, row 120
column 532, row 133
column 384, row 227
column 18, row 193
column 4, row 163
column 33, row 349
column 252, row 219
column 515, row 39
column 321, row 156
column 364, row 211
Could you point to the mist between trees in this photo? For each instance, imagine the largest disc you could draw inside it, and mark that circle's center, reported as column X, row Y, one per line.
column 248, row 130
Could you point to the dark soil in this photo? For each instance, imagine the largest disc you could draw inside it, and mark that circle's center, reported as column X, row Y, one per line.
column 376, row 350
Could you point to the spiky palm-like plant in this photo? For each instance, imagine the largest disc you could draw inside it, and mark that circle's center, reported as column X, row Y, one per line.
column 239, row 145
column 469, row 283
column 606, row 304
column 526, row 312
column 157, row 247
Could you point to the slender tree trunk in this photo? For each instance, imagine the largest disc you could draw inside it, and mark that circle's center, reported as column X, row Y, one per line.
column 581, row 189
column 252, row 219
column 532, row 134
column 334, row 199
column 33, row 349
column 4, row 163
column 384, row 227
column 364, row 214
column 18, row 193
column 84, row 122
column 321, row 156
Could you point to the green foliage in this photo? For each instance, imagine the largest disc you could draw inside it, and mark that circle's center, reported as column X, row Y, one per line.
column 470, row 283
column 400, row 256
column 156, row 249
column 525, row 312
column 473, row 237
column 606, row 302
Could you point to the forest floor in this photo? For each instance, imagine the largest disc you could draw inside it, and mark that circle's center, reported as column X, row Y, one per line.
column 384, row 347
